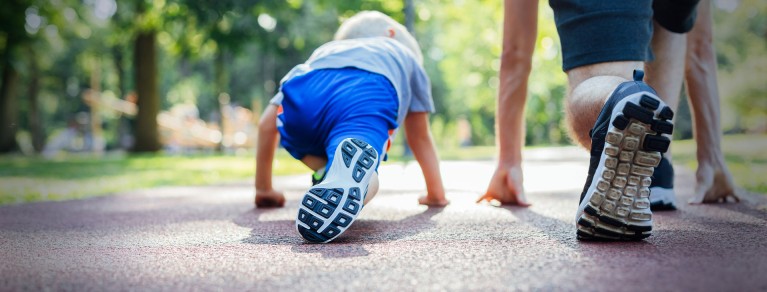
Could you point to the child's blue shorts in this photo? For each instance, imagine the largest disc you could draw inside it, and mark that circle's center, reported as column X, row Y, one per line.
column 323, row 107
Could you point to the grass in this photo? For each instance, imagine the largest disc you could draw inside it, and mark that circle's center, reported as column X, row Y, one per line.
column 30, row 179
column 746, row 157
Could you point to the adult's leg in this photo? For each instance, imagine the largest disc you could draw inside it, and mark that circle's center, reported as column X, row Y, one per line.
column 589, row 88
column 608, row 105
column 714, row 181
column 665, row 74
column 625, row 125
column 671, row 21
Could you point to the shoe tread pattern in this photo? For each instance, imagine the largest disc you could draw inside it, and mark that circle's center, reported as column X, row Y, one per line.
column 336, row 208
column 619, row 206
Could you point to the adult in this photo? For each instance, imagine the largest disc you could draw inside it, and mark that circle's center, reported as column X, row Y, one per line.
column 602, row 43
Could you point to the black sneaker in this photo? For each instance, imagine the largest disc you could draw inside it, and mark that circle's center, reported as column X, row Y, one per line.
column 330, row 207
column 627, row 140
column 662, row 196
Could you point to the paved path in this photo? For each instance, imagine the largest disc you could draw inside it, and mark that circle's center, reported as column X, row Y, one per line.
column 211, row 238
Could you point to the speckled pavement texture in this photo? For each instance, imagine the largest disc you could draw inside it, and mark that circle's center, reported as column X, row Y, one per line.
column 211, row 238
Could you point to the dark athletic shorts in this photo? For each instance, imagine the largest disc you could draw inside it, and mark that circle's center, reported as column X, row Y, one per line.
column 597, row 31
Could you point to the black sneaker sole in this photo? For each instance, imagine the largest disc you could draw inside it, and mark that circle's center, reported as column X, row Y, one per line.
column 330, row 207
column 617, row 204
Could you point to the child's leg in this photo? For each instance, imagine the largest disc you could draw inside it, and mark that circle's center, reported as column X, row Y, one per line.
column 358, row 117
column 372, row 131
column 315, row 162
column 372, row 188
column 329, row 208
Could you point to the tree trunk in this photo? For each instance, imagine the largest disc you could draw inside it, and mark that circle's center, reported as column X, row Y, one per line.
column 219, row 70
column 98, row 144
column 145, row 58
column 409, row 11
column 123, row 124
column 222, row 98
column 35, row 120
column 8, row 107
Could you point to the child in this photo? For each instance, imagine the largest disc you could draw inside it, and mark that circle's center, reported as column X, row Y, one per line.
column 337, row 113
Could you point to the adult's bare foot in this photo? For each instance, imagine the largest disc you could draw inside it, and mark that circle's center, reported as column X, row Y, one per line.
column 714, row 183
column 269, row 199
column 506, row 187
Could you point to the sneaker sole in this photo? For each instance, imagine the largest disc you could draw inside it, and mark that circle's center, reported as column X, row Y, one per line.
column 617, row 203
column 330, row 207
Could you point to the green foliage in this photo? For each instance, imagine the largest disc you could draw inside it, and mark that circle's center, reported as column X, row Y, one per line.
column 741, row 45
column 744, row 155
column 466, row 49
column 244, row 47
column 547, row 86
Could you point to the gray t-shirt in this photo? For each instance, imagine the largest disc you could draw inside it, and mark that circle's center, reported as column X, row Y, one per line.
column 380, row 55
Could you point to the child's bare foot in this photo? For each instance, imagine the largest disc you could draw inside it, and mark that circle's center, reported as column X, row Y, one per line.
column 714, row 183
column 269, row 199
column 506, row 187
column 433, row 201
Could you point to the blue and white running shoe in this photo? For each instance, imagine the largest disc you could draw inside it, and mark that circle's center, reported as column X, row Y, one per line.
column 627, row 140
column 330, row 207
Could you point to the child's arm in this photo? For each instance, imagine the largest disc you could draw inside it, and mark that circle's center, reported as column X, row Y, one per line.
column 420, row 141
column 267, row 144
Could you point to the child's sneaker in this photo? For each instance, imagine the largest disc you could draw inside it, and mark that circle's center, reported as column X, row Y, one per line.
column 662, row 196
column 626, row 144
column 318, row 176
column 331, row 206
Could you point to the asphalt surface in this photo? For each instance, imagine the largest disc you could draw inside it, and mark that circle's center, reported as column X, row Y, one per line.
column 212, row 238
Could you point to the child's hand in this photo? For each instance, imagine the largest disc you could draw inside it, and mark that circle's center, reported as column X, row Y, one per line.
column 269, row 199
column 433, row 200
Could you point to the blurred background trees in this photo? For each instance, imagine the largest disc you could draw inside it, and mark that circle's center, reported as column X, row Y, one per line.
column 75, row 68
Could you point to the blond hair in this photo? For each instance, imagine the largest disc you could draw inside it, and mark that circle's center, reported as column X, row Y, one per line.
column 367, row 24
